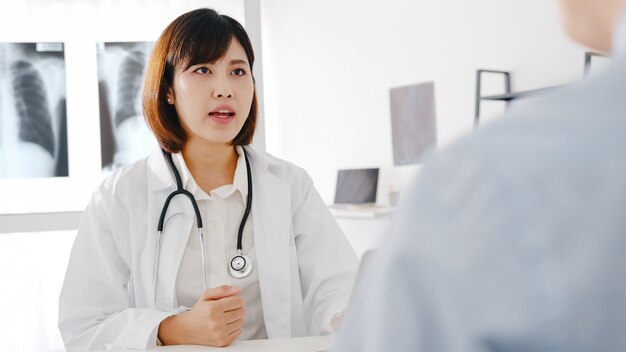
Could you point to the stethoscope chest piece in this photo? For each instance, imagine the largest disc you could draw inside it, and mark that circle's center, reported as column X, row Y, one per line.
column 240, row 266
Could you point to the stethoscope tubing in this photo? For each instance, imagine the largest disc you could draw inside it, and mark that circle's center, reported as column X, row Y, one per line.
column 180, row 190
column 248, row 203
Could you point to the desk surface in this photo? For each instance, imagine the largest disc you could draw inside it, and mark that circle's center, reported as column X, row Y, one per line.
column 356, row 211
column 292, row 344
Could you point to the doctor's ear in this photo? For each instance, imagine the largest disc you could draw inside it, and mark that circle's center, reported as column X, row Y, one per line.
column 170, row 96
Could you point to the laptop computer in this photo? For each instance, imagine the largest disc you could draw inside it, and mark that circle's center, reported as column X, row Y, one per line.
column 355, row 194
column 356, row 187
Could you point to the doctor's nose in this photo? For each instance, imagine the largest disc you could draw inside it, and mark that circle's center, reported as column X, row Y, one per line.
column 222, row 91
column 219, row 94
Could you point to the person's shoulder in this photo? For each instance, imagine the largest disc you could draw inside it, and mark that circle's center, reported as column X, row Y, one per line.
column 126, row 178
column 280, row 168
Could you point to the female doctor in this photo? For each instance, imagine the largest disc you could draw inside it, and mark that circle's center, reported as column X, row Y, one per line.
column 208, row 239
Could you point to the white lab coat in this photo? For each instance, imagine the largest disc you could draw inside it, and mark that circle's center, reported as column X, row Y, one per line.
column 305, row 265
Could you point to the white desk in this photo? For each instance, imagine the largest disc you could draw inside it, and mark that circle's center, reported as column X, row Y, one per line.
column 292, row 344
column 364, row 230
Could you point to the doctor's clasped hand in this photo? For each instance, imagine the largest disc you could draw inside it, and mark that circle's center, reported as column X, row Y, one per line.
column 215, row 320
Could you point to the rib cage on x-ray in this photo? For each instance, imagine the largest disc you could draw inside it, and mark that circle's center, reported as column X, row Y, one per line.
column 31, row 102
column 33, row 136
column 124, row 134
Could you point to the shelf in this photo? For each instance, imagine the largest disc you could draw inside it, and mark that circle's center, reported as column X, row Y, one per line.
column 509, row 96
column 516, row 95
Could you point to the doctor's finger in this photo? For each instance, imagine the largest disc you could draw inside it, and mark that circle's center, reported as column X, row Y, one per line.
column 235, row 332
column 216, row 293
column 233, row 315
column 230, row 303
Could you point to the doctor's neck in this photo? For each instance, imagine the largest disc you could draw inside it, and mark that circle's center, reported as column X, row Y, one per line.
column 212, row 165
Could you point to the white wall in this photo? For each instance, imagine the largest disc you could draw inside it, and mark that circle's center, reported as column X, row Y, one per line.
column 33, row 267
column 329, row 66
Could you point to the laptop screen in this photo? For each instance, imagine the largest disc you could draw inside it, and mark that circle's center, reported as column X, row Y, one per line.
column 356, row 186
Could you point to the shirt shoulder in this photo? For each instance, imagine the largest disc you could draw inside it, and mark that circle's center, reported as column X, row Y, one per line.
column 126, row 180
column 280, row 168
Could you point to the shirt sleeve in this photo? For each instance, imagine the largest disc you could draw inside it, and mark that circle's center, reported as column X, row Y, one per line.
column 326, row 260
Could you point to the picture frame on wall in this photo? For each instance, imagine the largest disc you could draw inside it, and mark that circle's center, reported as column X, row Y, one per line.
column 33, row 111
column 413, row 122
column 124, row 134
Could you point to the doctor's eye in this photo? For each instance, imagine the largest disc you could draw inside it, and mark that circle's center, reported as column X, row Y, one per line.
column 239, row 72
column 202, row 70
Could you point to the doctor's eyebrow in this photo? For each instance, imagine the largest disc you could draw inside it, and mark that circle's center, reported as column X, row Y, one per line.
column 232, row 62
column 238, row 62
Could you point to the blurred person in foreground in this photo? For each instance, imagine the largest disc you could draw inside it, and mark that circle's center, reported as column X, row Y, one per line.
column 513, row 239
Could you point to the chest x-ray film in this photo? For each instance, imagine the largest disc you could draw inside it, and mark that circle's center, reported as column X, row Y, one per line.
column 33, row 132
column 413, row 122
column 124, row 135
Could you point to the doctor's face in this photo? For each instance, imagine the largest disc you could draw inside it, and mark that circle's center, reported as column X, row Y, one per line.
column 213, row 99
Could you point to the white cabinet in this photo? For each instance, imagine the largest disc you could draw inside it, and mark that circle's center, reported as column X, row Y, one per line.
column 364, row 230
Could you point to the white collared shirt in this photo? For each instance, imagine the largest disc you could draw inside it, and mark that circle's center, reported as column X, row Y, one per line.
column 221, row 210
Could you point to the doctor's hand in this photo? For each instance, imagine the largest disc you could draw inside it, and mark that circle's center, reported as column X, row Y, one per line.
column 335, row 323
column 215, row 320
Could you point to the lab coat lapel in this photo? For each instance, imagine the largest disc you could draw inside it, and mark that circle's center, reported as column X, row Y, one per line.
column 271, row 211
column 176, row 231
column 177, row 227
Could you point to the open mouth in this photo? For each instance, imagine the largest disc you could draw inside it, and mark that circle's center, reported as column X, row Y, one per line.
column 222, row 114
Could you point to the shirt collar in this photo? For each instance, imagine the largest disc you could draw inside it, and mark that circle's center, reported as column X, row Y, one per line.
column 619, row 38
column 240, row 181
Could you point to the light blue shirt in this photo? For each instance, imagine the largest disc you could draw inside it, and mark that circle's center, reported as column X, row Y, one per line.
column 513, row 239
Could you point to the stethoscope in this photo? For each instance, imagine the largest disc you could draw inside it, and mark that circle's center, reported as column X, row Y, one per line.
column 240, row 264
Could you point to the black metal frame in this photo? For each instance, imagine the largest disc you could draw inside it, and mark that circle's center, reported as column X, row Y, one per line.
column 479, row 97
column 588, row 56
column 508, row 96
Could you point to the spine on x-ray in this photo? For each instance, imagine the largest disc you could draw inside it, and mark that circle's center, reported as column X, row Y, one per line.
column 31, row 103
column 129, row 81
